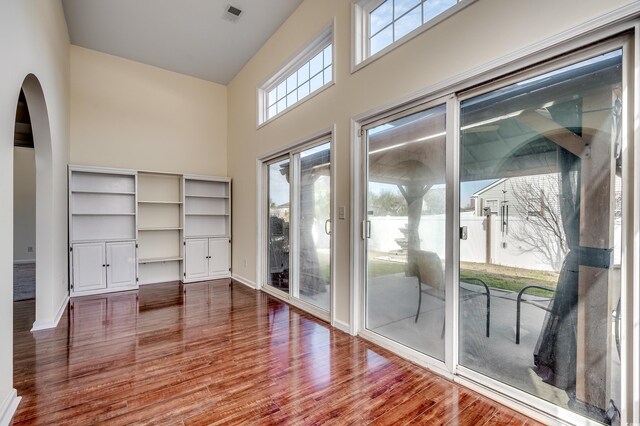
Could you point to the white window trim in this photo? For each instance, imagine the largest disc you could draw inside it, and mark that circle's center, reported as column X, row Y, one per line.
column 360, row 10
column 323, row 39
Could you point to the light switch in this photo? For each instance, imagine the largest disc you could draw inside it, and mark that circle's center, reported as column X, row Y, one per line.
column 341, row 212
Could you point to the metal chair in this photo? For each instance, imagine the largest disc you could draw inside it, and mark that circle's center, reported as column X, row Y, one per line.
column 430, row 273
column 519, row 302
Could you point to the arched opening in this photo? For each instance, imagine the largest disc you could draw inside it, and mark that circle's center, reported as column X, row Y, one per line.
column 41, row 137
column 24, row 216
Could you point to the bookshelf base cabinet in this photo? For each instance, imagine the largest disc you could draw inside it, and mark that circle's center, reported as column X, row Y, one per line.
column 206, row 258
column 100, row 267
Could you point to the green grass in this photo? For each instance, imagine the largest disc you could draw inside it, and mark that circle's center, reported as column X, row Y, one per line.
column 495, row 276
column 511, row 283
column 379, row 268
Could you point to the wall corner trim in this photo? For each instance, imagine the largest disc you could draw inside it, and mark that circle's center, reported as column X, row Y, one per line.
column 245, row 281
column 342, row 326
column 47, row 324
column 8, row 407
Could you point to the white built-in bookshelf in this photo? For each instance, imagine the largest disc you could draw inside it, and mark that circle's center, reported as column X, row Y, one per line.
column 102, row 206
column 129, row 227
column 159, row 227
column 207, row 211
column 102, row 230
column 207, row 227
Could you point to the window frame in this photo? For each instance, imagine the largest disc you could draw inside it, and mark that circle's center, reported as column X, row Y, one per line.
column 361, row 28
column 320, row 42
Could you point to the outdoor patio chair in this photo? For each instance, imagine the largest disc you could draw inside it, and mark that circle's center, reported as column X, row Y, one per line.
column 431, row 282
column 519, row 304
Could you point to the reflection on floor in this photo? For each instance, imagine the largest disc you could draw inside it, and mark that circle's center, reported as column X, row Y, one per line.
column 211, row 353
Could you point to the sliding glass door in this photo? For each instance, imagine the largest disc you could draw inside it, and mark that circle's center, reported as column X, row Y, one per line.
column 540, row 197
column 279, row 221
column 313, row 226
column 299, row 224
column 405, row 230
column 525, row 295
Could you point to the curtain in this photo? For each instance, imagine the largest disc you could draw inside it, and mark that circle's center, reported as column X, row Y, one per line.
column 555, row 352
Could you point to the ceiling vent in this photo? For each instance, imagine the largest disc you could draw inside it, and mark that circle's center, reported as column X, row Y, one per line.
column 231, row 13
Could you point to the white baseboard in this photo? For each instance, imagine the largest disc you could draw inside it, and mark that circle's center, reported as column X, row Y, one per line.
column 244, row 281
column 8, row 407
column 47, row 324
column 24, row 261
column 342, row 326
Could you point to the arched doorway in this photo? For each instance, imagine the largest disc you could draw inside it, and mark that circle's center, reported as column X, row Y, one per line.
column 24, row 209
column 41, row 133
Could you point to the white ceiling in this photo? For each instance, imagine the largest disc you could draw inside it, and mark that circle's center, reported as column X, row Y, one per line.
column 185, row 36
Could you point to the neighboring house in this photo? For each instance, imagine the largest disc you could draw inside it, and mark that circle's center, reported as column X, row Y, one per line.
column 527, row 220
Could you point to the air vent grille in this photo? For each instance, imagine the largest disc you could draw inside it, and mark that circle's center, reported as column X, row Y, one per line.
column 234, row 11
column 231, row 13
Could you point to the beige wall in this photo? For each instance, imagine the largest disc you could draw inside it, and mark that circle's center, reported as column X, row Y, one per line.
column 24, row 204
column 130, row 115
column 478, row 34
column 34, row 43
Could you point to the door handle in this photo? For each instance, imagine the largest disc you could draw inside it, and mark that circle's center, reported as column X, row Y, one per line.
column 366, row 229
column 327, row 223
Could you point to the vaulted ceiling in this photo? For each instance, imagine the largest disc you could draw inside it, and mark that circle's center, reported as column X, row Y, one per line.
column 192, row 37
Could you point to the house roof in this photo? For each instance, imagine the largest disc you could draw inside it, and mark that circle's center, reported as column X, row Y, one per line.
column 488, row 187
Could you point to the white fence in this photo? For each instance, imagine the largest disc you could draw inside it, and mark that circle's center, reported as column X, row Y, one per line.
column 506, row 249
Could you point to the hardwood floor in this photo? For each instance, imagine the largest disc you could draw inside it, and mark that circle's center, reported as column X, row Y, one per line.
column 210, row 353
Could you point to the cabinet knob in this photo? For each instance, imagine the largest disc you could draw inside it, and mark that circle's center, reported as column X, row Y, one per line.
column 103, row 265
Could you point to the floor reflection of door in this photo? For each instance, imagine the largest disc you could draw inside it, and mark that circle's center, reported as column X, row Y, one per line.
column 405, row 288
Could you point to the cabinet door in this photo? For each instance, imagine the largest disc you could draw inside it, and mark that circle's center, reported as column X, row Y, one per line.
column 88, row 267
column 121, row 264
column 219, row 254
column 196, row 258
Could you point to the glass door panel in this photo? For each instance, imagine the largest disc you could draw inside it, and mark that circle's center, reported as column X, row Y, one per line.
column 313, row 227
column 405, row 226
column 540, row 199
column 278, row 224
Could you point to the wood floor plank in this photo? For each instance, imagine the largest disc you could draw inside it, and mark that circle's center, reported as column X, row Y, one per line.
column 214, row 353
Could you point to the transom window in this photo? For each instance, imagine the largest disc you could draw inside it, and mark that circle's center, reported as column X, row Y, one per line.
column 394, row 19
column 380, row 24
column 308, row 73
